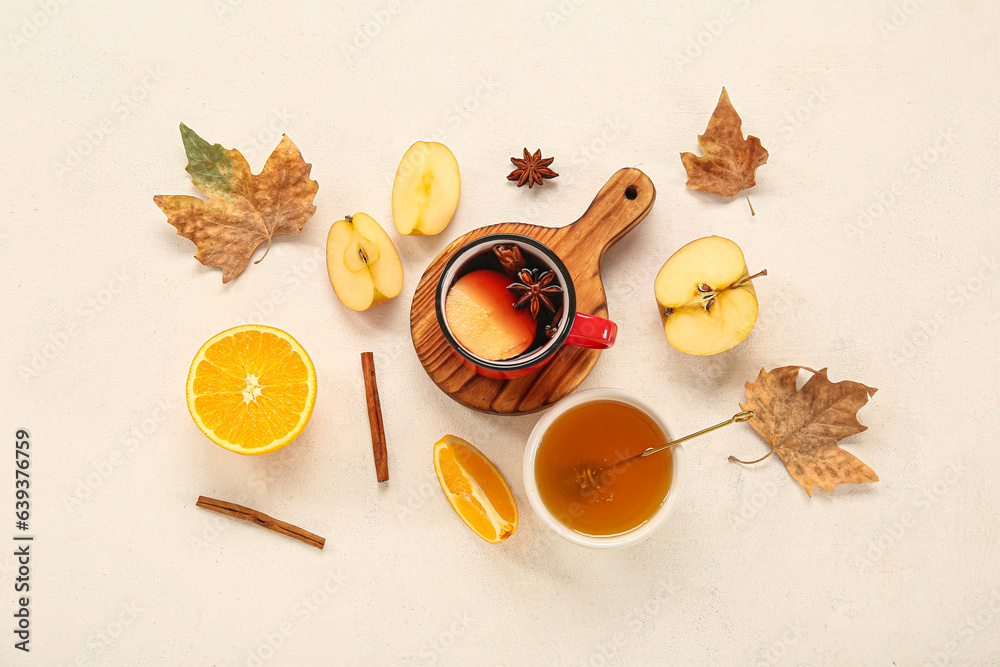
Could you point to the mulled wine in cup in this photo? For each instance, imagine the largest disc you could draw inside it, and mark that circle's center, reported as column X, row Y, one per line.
column 506, row 304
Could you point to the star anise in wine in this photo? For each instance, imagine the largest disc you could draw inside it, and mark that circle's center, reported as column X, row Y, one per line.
column 535, row 290
column 532, row 169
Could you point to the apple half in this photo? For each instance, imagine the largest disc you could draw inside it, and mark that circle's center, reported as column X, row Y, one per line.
column 363, row 264
column 426, row 189
column 706, row 296
column 481, row 315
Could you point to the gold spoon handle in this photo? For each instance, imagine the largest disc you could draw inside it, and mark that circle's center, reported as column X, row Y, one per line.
column 744, row 416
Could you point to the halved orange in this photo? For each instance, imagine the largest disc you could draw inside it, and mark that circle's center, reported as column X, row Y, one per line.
column 477, row 491
column 251, row 389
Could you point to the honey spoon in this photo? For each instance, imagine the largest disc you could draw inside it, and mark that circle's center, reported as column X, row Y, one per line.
column 588, row 477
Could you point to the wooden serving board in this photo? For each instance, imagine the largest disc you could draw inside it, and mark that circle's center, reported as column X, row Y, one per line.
column 620, row 205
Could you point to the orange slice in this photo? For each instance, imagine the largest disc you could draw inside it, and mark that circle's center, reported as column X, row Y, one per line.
column 475, row 488
column 251, row 389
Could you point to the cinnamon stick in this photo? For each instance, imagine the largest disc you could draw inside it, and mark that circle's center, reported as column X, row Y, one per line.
column 261, row 519
column 510, row 258
column 375, row 417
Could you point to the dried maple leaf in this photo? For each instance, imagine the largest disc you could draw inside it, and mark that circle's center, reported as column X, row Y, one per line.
column 242, row 210
column 730, row 161
column 803, row 427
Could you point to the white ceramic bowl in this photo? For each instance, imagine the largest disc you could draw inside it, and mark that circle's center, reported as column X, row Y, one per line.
column 640, row 532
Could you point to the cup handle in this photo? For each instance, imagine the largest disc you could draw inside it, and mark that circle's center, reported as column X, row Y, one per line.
column 593, row 332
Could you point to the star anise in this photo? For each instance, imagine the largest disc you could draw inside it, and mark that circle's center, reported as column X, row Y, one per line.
column 535, row 290
column 532, row 169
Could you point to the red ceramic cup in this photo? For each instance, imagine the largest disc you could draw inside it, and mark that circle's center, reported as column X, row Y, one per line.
column 573, row 328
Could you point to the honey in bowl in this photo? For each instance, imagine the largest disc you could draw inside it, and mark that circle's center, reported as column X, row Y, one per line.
column 601, row 434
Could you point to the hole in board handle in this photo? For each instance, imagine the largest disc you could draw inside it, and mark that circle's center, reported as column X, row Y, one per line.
column 631, row 193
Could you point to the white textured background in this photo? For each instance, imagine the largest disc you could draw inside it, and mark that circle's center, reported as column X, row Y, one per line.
column 876, row 219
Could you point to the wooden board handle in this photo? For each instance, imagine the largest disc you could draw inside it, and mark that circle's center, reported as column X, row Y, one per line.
column 620, row 205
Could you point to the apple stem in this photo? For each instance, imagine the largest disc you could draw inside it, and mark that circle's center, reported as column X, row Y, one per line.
column 748, row 201
column 750, row 463
column 266, row 250
column 349, row 218
column 749, row 278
